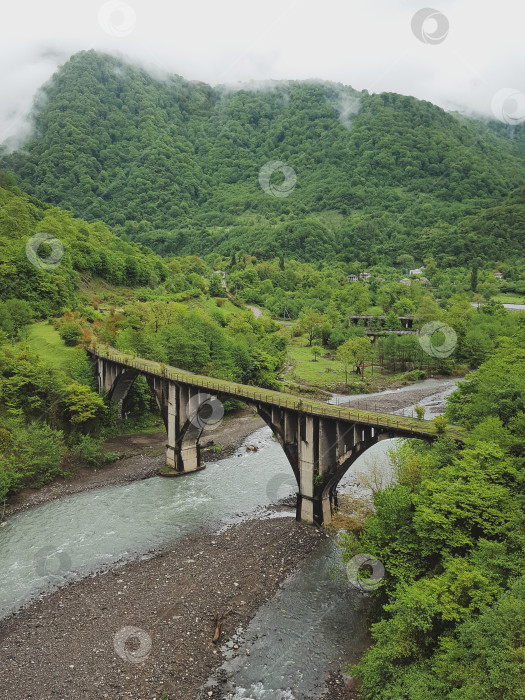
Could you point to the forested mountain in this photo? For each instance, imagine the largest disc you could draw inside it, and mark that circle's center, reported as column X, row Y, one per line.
column 175, row 165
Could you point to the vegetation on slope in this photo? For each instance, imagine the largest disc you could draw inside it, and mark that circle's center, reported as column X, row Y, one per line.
column 450, row 611
column 175, row 165
column 51, row 416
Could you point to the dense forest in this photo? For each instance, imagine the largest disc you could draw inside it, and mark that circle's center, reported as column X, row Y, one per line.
column 176, row 311
column 450, row 613
column 175, row 165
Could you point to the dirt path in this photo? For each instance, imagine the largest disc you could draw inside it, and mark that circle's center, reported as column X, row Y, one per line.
column 256, row 311
column 147, row 452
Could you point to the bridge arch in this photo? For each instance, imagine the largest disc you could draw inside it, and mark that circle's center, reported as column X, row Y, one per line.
column 320, row 442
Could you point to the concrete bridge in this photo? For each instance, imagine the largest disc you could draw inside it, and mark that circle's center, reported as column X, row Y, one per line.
column 320, row 441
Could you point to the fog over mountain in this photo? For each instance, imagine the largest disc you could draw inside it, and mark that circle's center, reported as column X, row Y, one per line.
column 458, row 56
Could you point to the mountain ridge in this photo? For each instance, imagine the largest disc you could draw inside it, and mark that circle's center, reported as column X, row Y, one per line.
column 175, row 164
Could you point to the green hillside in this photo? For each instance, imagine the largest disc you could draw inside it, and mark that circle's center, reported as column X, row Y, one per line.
column 87, row 249
column 175, row 165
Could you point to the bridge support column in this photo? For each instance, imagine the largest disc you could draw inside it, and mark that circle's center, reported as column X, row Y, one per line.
column 184, row 429
column 171, row 447
column 307, row 459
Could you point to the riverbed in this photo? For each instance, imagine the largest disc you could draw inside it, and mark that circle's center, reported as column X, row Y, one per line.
column 431, row 394
column 170, row 554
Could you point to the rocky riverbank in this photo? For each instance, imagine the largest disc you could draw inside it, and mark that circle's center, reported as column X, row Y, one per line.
column 72, row 643
column 431, row 392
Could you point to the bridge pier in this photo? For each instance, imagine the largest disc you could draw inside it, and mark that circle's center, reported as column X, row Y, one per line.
column 319, row 446
column 185, row 427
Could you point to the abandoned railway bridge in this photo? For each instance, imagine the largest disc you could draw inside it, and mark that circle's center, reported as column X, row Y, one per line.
column 320, row 441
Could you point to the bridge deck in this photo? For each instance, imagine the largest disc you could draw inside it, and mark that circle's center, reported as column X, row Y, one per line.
column 423, row 428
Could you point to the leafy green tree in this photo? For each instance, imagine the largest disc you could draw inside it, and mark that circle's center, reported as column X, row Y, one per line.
column 310, row 322
column 83, row 404
column 317, row 350
column 392, row 321
column 352, row 353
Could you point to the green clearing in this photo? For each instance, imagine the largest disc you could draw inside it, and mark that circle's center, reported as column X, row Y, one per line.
column 209, row 305
column 325, row 373
column 508, row 298
column 47, row 343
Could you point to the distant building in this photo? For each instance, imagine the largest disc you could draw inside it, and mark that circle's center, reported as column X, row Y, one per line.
column 406, row 322
column 417, row 271
column 364, row 275
column 352, row 278
column 498, row 275
column 406, row 281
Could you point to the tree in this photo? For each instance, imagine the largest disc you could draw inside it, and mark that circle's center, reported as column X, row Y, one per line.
column 20, row 312
column 317, row 350
column 215, row 289
column 474, row 277
column 428, row 311
column 83, row 404
column 310, row 322
column 70, row 332
column 392, row 321
column 352, row 353
column 405, row 261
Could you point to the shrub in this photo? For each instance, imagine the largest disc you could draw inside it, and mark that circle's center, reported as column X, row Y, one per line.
column 70, row 333
column 441, row 424
column 89, row 449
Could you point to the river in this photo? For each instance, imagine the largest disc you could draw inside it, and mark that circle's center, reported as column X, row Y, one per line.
column 46, row 547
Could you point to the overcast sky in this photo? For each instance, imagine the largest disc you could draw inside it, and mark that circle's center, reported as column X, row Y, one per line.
column 461, row 54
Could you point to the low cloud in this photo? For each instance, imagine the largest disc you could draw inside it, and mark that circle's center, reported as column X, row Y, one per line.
column 367, row 45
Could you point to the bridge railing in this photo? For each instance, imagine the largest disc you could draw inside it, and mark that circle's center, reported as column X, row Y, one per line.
column 274, row 398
